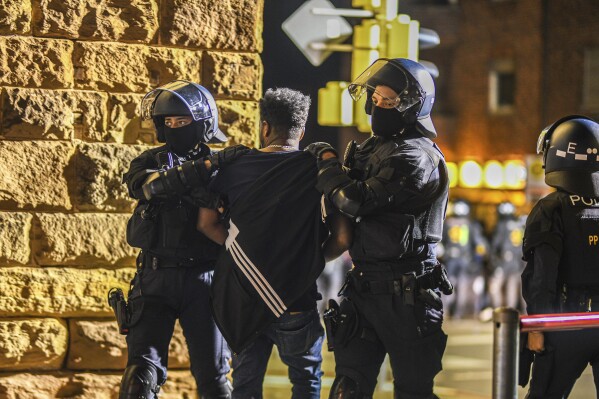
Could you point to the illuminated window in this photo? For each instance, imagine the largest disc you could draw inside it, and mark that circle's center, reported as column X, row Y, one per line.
column 502, row 87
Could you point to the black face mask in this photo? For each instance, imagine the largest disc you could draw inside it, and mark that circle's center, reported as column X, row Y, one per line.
column 387, row 122
column 182, row 139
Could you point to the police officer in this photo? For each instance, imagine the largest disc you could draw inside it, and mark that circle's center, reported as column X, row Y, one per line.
column 561, row 248
column 463, row 249
column 506, row 258
column 176, row 262
column 396, row 192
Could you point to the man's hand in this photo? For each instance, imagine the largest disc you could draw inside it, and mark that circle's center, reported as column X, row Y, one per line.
column 321, row 150
column 536, row 341
column 228, row 155
column 201, row 197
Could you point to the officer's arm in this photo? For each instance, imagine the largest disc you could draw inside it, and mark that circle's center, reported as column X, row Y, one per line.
column 139, row 170
column 541, row 293
column 340, row 238
column 398, row 180
column 179, row 180
column 210, row 225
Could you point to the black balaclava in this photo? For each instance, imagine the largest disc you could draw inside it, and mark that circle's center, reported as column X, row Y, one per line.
column 387, row 122
column 183, row 139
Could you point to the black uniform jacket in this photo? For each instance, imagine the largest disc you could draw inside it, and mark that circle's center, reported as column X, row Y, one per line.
column 561, row 249
column 273, row 253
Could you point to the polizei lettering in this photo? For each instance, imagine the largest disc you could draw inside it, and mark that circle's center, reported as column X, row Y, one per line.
column 577, row 200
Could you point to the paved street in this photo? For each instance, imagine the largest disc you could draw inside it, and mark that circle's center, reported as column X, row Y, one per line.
column 467, row 370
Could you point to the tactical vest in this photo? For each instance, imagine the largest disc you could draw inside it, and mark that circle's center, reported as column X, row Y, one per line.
column 167, row 229
column 508, row 244
column 428, row 215
column 457, row 239
column 579, row 264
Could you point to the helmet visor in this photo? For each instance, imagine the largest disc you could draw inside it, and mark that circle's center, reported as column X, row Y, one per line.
column 541, row 142
column 187, row 92
column 385, row 73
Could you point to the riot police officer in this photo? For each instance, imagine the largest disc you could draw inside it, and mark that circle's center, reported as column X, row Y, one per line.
column 463, row 249
column 561, row 249
column 506, row 259
column 176, row 262
column 396, row 192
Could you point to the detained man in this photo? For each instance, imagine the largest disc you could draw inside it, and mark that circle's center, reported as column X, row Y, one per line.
column 265, row 287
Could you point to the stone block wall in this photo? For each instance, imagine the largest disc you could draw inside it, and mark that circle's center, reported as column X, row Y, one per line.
column 72, row 74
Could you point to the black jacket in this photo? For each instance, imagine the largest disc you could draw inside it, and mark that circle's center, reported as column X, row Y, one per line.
column 273, row 253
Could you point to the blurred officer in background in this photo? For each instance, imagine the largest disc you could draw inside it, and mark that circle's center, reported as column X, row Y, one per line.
column 561, row 248
column 506, row 262
column 176, row 262
column 464, row 247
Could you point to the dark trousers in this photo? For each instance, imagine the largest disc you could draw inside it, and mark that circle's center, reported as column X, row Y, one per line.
column 411, row 335
column 567, row 354
column 163, row 296
column 298, row 338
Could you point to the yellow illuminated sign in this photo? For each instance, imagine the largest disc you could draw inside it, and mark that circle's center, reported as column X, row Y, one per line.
column 335, row 105
column 471, row 174
column 493, row 174
column 452, row 170
column 515, row 174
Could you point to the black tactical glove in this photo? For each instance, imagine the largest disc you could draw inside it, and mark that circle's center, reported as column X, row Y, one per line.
column 203, row 198
column 228, row 155
column 319, row 148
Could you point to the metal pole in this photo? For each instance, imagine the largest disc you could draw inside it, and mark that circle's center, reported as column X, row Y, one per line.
column 347, row 48
column 506, row 337
column 343, row 12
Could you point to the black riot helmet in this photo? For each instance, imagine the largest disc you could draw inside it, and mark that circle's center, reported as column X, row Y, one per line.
column 459, row 207
column 570, row 149
column 183, row 98
column 506, row 210
column 413, row 83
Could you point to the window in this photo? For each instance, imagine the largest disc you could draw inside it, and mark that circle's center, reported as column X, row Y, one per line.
column 502, row 87
column 590, row 89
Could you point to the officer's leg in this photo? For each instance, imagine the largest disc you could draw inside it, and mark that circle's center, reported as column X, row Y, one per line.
column 465, row 296
column 150, row 335
column 416, row 359
column 357, row 364
column 148, row 343
column 299, row 339
column 555, row 371
column 249, row 368
column 208, row 351
column 139, row 382
column 514, row 291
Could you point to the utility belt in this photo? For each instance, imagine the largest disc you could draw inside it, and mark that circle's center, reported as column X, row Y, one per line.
column 157, row 262
column 579, row 300
column 410, row 286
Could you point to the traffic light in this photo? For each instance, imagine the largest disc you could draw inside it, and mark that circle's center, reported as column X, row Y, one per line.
column 382, row 34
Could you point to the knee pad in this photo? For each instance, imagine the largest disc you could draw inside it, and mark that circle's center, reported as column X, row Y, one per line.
column 139, row 382
column 345, row 387
column 217, row 391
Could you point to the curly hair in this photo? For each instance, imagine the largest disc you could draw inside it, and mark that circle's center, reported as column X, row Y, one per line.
column 286, row 110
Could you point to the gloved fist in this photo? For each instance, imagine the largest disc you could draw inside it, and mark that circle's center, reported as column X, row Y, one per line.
column 228, row 155
column 319, row 149
column 202, row 197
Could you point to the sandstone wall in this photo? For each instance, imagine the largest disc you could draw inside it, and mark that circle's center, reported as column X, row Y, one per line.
column 72, row 74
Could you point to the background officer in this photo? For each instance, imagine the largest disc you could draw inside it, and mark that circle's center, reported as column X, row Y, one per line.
column 506, row 258
column 176, row 262
column 396, row 191
column 561, row 248
column 464, row 247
